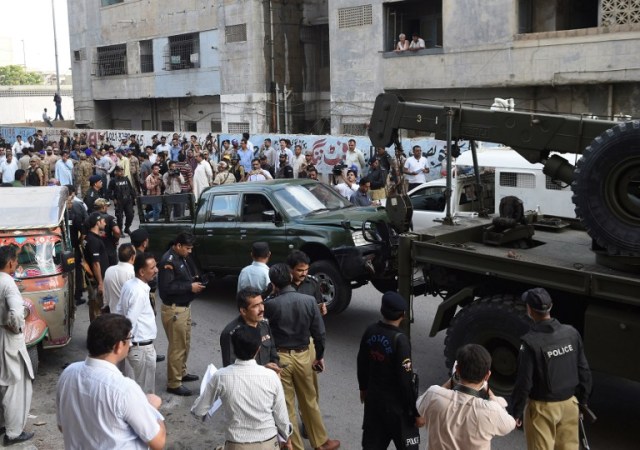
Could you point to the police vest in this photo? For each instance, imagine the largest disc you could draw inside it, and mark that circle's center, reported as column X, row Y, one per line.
column 558, row 352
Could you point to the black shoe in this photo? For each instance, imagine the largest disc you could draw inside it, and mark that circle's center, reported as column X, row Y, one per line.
column 24, row 436
column 190, row 377
column 127, row 230
column 80, row 302
column 160, row 358
column 2, row 430
column 180, row 390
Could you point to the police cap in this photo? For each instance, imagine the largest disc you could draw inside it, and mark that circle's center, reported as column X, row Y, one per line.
column 538, row 299
column 393, row 305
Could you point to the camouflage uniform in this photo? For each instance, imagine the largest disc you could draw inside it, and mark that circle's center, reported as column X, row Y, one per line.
column 83, row 170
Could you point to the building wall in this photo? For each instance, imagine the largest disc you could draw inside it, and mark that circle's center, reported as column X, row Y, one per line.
column 23, row 104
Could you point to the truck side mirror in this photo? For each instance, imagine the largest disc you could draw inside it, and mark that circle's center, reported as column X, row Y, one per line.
column 68, row 261
column 271, row 216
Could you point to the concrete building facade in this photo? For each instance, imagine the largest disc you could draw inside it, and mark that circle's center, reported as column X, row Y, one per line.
column 316, row 66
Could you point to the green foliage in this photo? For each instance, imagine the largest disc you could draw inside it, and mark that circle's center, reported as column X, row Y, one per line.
column 16, row 75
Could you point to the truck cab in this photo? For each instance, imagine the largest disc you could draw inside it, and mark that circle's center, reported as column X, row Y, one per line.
column 503, row 172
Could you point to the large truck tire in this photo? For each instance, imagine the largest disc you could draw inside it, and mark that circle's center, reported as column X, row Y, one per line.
column 497, row 323
column 606, row 189
column 385, row 284
column 335, row 290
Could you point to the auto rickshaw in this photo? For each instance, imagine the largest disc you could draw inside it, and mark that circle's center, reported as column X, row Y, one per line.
column 34, row 219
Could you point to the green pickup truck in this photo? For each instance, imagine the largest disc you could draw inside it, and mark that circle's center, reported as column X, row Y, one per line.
column 348, row 246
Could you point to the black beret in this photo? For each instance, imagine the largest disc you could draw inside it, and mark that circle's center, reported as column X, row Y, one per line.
column 538, row 299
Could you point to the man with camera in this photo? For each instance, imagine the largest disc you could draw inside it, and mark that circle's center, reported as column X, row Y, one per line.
column 553, row 381
column 385, row 376
column 457, row 414
column 178, row 285
column 173, row 181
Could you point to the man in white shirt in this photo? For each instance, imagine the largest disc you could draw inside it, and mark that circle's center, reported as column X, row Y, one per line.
column 163, row 146
column 64, row 169
column 252, row 397
column 463, row 413
column 284, row 148
column 298, row 160
column 134, row 305
column 116, row 276
column 416, row 168
column 46, row 118
column 417, row 43
column 8, row 168
column 96, row 406
column 18, row 146
column 354, row 157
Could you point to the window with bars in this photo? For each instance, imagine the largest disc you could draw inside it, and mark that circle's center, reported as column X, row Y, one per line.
column 111, row 60
column 354, row 129
column 216, row 126
column 190, row 125
column 166, row 125
column 237, row 127
column 146, row 56
column 146, row 124
column 235, row 33
column 553, row 185
column 520, row 180
column 355, row 16
column 183, row 52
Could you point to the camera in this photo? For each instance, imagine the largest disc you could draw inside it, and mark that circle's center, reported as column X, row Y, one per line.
column 338, row 168
column 174, row 173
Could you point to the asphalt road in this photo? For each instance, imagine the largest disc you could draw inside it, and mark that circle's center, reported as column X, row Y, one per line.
column 615, row 401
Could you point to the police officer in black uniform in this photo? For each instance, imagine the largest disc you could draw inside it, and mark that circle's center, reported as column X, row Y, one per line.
column 94, row 192
column 112, row 233
column 301, row 281
column 553, row 374
column 178, row 284
column 123, row 195
column 385, row 378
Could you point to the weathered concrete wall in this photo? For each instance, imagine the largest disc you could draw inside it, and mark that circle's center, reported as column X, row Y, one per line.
column 356, row 65
column 22, row 109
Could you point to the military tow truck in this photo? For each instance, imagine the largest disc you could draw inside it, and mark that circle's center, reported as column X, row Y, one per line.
column 481, row 265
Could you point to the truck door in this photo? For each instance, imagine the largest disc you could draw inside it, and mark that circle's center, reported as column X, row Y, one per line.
column 254, row 226
column 216, row 234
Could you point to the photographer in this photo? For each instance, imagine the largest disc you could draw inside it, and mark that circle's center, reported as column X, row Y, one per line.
column 173, row 181
column 457, row 414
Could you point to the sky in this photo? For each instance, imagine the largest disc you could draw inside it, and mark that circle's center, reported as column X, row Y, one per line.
column 31, row 21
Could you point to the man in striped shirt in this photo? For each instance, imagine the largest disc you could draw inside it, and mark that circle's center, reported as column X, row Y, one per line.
column 252, row 398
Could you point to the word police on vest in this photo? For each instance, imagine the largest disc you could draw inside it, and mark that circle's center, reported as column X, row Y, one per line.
column 559, row 351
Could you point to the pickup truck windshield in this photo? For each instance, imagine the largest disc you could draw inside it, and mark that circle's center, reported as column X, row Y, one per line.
column 300, row 200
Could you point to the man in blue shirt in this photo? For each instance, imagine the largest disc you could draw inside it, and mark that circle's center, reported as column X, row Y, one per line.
column 361, row 196
column 256, row 275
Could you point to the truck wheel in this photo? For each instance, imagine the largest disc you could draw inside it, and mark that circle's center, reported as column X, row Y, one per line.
column 336, row 292
column 606, row 189
column 33, row 355
column 497, row 323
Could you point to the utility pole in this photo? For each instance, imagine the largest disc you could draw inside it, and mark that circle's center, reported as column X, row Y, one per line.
column 55, row 44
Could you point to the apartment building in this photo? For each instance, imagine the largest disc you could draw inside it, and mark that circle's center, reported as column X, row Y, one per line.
column 316, row 66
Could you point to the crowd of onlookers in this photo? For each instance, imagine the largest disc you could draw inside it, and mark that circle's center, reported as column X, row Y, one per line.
column 171, row 165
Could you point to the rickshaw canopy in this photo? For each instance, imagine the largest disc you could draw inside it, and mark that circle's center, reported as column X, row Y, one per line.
column 24, row 208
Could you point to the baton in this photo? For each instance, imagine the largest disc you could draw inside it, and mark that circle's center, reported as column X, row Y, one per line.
column 585, row 443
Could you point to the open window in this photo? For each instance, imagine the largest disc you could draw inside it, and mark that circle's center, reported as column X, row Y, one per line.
column 253, row 206
column 413, row 16
column 557, row 15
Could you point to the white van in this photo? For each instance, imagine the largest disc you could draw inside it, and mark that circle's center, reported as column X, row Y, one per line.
column 503, row 172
